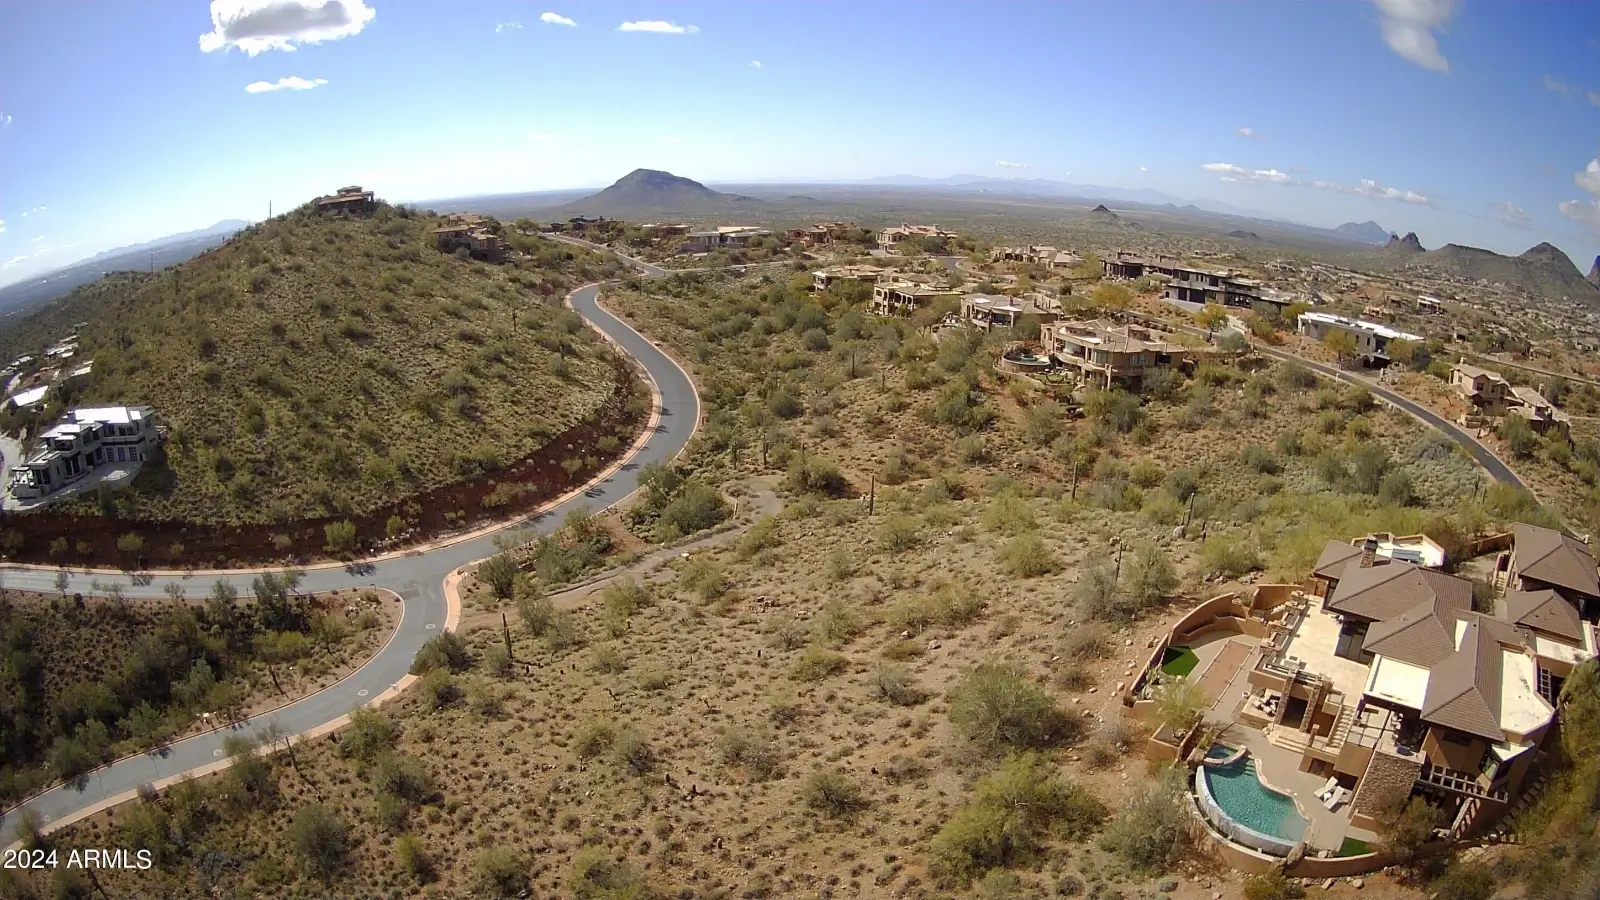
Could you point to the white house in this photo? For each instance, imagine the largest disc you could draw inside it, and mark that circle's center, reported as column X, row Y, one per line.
column 83, row 441
column 1372, row 339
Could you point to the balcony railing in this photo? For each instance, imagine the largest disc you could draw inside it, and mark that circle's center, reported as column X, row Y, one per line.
column 1459, row 782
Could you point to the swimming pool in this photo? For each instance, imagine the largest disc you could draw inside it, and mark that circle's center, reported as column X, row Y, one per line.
column 1240, row 795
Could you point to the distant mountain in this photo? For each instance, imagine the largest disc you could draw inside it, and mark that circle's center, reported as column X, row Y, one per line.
column 645, row 193
column 1594, row 273
column 1368, row 232
column 1410, row 244
column 1542, row 270
column 156, row 254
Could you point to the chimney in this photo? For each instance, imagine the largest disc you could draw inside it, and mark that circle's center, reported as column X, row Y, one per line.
column 1369, row 552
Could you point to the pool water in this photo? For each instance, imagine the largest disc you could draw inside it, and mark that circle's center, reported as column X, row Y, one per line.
column 1240, row 793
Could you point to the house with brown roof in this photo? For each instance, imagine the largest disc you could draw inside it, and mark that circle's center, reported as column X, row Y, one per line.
column 903, row 296
column 992, row 311
column 1486, row 390
column 1541, row 414
column 351, row 200
column 822, row 279
column 889, row 238
column 1034, row 255
column 1391, row 681
column 1542, row 559
column 1109, row 353
column 821, row 234
column 469, row 232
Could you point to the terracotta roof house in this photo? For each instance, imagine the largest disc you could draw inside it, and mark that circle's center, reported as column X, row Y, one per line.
column 1105, row 353
column 352, row 200
column 902, row 296
column 992, row 311
column 1542, row 559
column 1484, row 389
column 470, row 232
column 822, row 279
column 1541, row 414
column 889, row 237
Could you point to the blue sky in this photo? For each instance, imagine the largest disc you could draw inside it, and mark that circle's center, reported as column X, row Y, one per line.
column 1471, row 122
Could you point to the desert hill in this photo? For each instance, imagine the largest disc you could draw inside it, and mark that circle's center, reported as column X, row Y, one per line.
column 1594, row 273
column 1368, row 232
column 648, row 193
column 1542, row 270
column 317, row 366
column 1404, row 246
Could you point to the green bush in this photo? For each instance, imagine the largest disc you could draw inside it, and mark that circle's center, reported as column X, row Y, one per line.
column 445, row 651
column 499, row 572
column 1011, row 812
column 1026, row 556
column 750, row 751
column 996, row 707
column 895, row 685
column 1228, row 556
column 369, row 734
column 833, row 794
column 596, row 875
column 413, row 857
column 1150, row 832
column 815, row 475
column 320, row 839
column 1274, row 886
column 501, row 873
column 339, row 538
column 899, row 533
column 817, row 663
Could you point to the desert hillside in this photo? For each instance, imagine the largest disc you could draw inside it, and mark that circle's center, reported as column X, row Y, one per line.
column 319, row 366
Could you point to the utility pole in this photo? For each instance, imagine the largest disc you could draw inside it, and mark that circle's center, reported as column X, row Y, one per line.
column 1120, row 547
column 872, row 495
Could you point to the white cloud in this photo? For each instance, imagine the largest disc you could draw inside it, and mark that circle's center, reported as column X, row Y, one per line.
column 42, row 251
column 1232, row 173
column 1594, row 100
column 755, row 64
column 1512, row 214
column 36, row 209
column 1004, row 164
column 672, row 140
column 557, row 19
column 5, row 120
column 37, row 239
column 1556, row 86
column 292, row 83
column 2, row 226
column 256, row 26
column 545, row 137
column 1144, row 168
column 657, row 26
column 1246, row 132
column 14, row 261
column 1408, row 28
column 1370, row 188
column 1584, row 212
column 69, row 246
column 1589, row 178
column 502, row 27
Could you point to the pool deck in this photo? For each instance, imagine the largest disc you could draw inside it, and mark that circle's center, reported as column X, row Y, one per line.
column 1279, row 769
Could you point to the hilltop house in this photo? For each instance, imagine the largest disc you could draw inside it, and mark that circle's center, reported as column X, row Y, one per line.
column 821, row 234
column 1541, row 559
column 888, row 238
column 734, row 236
column 83, row 441
column 992, row 311
column 1542, row 415
column 666, row 229
column 352, row 200
column 470, row 232
column 1371, row 338
column 1486, row 390
column 1031, row 255
column 1191, row 284
column 1390, row 682
column 903, row 296
column 1109, row 353
column 822, row 279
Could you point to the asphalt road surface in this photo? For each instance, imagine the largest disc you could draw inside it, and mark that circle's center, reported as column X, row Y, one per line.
column 418, row 579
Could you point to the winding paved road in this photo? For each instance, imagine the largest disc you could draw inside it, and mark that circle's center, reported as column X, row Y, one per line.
column 418, row 579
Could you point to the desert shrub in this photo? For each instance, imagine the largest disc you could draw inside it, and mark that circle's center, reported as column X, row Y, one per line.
column 1405, row 823
column 499, row 572
column 594, row 737
column 1162, row 509
column 1468, row 881
column 414, row 858
column 815, row 475
column 836, row 623
column 536, row 612
column 1109, row 743
column 632, row 749
column 696, row 507
column 1146, row 473
column 995, row 706
column 817, row 663
column 763, row 534
column 1099, row 597
column 369, row 734
column 501, row 873
column 898, row 533
column 1011, row 812
column 895, row 685
column 1228, row 556
column 1150, row 832
column 339, row 538
column 1259, row 459
column 751, row 751
column 1026, row 556
column 1086, row 641
column 1148, row 576
column 1273, row 886
column 439, row 688
column 596, row 875
column 833, row 794
column 320, row 839
column 704, row 577
column 445, row 650
column 951, row 604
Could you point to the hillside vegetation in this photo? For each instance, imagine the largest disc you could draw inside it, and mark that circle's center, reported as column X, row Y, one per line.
column 321, row 366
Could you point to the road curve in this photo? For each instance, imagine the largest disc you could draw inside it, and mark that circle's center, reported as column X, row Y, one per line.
column 1494, row 465
column 418, row 579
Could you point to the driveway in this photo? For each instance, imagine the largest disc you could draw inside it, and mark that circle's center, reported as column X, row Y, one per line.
column 418, row 579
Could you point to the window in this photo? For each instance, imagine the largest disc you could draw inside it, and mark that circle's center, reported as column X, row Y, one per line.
column 1455, row 737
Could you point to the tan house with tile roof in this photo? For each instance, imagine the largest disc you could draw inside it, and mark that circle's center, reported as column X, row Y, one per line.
column 1107, row 353
column 1390, row 681
column 1486, row 390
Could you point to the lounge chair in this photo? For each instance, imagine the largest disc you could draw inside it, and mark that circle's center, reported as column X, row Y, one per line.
column 1327, row 787
column 1339, row 796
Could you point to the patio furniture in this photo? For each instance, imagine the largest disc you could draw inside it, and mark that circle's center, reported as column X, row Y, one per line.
column 1328, row 787
column 1339, row 796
